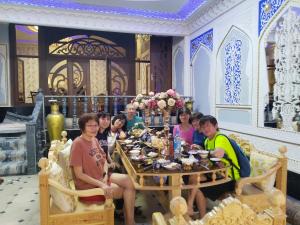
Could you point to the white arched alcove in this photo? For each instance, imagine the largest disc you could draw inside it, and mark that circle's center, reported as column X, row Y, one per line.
column 234, row 75
column 179, row 71
column 201, row 80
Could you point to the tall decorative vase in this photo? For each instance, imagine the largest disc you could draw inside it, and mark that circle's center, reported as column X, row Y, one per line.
column 55, row 121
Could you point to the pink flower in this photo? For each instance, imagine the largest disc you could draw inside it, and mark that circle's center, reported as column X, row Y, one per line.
column 152, row 103
column 179, row 103
column 171, row 93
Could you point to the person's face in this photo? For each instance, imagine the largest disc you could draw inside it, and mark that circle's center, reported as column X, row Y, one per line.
column 119, row 123
column 91, row 128
column 209, row 130
column 184, row 117
column 195, row 124
column 104, row 122
column 131, row 111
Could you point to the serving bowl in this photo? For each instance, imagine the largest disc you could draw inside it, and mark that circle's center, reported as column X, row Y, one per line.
column 134, row 152
column 203, row 154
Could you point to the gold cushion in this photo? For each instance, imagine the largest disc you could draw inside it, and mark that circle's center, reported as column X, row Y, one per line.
column 260, row 164
column 64, row 202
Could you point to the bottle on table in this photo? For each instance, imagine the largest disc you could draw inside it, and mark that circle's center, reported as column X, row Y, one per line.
column 171, row 146
column 177, row 146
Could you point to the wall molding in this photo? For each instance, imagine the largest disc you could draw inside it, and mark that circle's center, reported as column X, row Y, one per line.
column 210, row 12
column 108, row 22
column 88, row 20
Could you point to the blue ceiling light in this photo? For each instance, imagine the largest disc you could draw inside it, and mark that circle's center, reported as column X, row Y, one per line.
column 186, row 10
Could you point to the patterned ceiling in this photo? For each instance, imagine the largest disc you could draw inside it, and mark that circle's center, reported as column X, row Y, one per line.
column 157, row 9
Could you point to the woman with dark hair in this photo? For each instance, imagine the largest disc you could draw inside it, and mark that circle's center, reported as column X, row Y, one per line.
column 184, row 128
column 198, row 136
column 89, row 167
column 104, row 128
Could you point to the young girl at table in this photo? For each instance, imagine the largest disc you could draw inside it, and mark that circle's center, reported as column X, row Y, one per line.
column 184, row 128
column 88, row 163
column 198, row 136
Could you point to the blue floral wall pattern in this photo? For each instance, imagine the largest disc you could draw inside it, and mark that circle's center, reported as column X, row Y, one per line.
column 205, row 39
column 234, row 69
column 232, row 77
column 267, row 8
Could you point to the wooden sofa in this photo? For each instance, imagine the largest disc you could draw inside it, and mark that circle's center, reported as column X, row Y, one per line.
column 50, row 212
column 230, row 212
column 248, row 190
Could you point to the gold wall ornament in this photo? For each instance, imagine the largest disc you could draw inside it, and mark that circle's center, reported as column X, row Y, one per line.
column 267, row 7
column 55, row 121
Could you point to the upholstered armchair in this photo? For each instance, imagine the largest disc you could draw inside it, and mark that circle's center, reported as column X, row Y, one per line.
column 58, row 197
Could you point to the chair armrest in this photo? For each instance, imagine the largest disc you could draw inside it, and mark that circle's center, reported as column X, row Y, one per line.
column 79, row 193
column 250, row 180
column 158, row 219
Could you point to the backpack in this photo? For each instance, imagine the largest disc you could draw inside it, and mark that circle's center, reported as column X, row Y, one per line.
column 243, row 160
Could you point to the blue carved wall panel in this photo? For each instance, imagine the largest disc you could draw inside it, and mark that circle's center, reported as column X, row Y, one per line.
column 267, row 8
column 205, row 39
column 234, row 69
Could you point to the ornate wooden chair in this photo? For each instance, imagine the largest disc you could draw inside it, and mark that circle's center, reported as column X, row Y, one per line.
column 266, row 169
column 230, row 212
column 58, row 199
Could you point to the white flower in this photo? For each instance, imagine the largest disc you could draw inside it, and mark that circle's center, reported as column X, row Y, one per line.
column 142, row 105
column 171, row 102
column 139, row 97
column 162, row 104
column 163, row 95
column 135, row 105
column 151, row 93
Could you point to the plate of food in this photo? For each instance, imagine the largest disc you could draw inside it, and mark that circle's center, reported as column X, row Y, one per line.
column 193, row 152
column 152, row 154
column 163, row 161
column 128, row 141
column 215, row 159
column 172, row 166
column 138, row 157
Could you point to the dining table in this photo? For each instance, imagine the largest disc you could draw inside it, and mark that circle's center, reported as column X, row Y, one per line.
column 152, row 173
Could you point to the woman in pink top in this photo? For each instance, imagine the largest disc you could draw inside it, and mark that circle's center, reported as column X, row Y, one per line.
column 184, row 128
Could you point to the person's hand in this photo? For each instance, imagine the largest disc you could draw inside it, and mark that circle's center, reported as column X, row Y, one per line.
column 218, row 153
column 108, row 191
column 112, row 165
column 195, row 146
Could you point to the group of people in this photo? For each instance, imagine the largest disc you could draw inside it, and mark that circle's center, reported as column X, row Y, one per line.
column 91, row 156
column 202, row 132
column 91, row 160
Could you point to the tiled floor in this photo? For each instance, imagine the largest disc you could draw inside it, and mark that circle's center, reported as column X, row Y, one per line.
column 19, row 202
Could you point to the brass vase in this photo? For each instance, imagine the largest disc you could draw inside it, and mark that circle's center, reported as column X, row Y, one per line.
column 55, row 121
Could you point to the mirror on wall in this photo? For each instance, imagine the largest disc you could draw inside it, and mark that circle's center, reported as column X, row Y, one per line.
column 281, row 72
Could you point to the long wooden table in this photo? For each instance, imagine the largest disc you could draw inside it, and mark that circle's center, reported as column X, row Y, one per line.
column 144, row 180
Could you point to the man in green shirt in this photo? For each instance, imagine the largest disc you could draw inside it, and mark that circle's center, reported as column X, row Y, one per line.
column 131, row 117
column 219, row 147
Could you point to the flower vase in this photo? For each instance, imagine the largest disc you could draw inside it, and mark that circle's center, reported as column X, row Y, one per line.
column 152, row 118
column 55, row 121
column 166, row 115
column 147, row 117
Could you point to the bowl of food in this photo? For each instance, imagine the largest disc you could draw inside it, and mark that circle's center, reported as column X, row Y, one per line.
column 134, row 152
column 203, row 154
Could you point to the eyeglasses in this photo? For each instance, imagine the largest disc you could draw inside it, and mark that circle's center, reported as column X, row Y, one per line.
column 91, row 125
